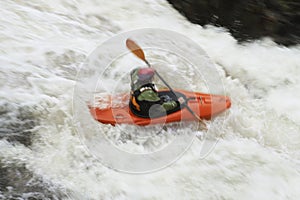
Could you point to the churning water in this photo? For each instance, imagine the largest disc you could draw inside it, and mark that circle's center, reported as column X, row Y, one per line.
column 43, row 45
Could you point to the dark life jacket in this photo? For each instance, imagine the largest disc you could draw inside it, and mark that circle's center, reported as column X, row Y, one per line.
column 141, row 108
column 154, row 108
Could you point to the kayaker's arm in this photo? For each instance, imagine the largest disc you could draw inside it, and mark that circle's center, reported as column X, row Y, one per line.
column 169, row 105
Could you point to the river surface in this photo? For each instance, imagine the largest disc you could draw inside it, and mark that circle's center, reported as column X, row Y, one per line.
column 43, row 45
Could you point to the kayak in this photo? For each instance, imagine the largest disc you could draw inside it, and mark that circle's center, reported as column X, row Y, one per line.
column 114, row 109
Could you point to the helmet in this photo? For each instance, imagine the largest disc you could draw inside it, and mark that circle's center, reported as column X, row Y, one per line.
column 145, row 74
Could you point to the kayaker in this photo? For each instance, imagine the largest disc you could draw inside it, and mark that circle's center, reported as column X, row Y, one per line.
column 144, row 95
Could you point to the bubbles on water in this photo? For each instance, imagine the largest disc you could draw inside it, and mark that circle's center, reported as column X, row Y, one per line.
column 17, row 182
column 17, row 122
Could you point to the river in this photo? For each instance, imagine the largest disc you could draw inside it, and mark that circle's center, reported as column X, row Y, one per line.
column 43, row 45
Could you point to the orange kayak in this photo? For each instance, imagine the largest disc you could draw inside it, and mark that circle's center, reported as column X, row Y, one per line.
column 114, row 109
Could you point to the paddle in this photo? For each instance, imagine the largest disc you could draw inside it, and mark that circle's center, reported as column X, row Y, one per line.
column 137, row 50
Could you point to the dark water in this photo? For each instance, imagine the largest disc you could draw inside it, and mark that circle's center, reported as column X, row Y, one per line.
column 247, row 19
column 16, row 123
column 17, row 182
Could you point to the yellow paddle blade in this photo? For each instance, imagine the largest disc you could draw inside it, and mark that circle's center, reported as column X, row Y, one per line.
column 134, row 48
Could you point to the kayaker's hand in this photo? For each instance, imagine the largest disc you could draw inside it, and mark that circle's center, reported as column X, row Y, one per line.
column 181, row 100
column 165, row 98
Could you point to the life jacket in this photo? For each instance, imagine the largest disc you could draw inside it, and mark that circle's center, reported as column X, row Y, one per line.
column 141, row 108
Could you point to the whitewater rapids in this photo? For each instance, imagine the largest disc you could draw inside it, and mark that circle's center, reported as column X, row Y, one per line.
column 43, row 45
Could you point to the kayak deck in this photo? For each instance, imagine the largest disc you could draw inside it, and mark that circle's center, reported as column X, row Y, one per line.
column 109, row 109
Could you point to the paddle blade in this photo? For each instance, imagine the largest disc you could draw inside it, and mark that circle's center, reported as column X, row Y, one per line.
column 134, row 48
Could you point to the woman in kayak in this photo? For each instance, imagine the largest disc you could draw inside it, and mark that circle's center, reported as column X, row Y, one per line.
column 144, row 98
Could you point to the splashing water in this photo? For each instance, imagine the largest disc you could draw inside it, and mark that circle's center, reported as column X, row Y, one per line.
column 43, row 45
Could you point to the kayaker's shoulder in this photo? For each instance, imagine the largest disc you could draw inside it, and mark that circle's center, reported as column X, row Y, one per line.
column 148, row 95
